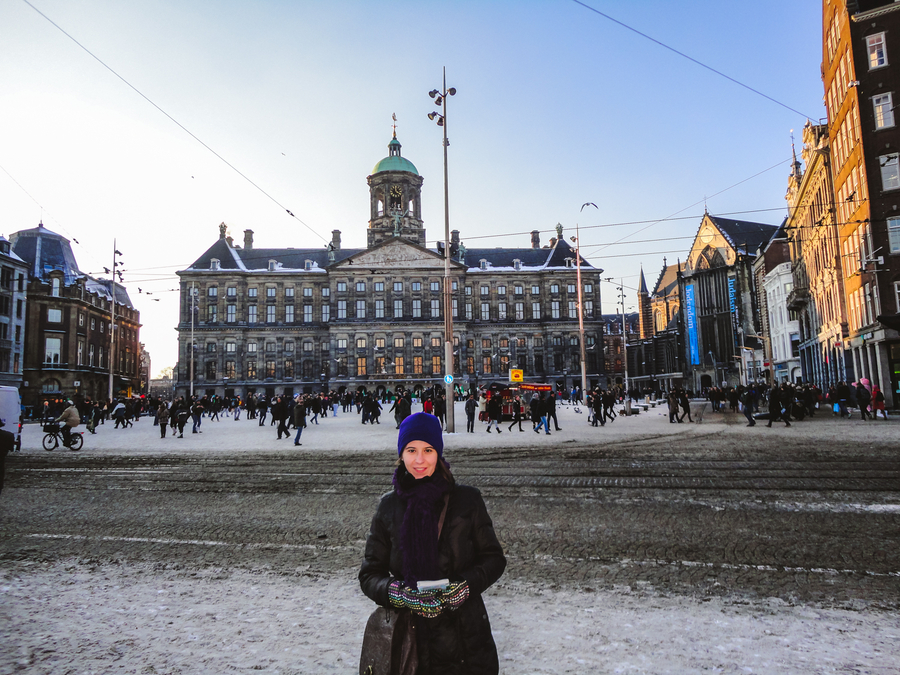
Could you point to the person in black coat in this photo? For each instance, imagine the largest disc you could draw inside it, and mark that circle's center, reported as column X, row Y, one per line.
column 431, row 528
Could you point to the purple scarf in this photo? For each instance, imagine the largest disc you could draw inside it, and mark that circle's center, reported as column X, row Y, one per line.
column 424, row 500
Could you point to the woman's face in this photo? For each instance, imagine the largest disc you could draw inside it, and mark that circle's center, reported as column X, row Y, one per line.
column 420, row 459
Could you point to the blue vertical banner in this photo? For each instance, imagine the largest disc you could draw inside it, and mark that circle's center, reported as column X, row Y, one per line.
column 732, row 305
column 691, row 314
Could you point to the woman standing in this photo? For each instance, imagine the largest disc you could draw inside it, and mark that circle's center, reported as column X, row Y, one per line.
column 430, row 528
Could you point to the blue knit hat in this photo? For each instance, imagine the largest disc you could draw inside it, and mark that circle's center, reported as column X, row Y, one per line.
column 421, row 427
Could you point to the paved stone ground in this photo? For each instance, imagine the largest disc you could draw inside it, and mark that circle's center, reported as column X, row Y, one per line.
column 807, row 515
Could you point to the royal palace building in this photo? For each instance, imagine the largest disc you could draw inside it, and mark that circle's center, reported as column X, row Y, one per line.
column 294, row 320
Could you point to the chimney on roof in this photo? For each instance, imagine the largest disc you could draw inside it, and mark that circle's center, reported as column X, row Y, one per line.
column 230, row 242
column 535, row 239
column 335, row 240
column 454, row 238
column 248, row 239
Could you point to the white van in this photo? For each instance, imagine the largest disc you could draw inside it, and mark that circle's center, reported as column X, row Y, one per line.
column 11, row 413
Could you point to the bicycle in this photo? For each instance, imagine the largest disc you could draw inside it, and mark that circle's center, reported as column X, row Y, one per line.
column 53, row 438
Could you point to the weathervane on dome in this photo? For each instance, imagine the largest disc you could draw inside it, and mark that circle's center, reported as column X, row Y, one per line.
column 394, row 125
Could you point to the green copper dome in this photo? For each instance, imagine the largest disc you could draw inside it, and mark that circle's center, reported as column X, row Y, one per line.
column 394, row 162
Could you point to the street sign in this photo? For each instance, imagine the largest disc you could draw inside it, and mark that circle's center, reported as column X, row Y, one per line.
column 448, row 379
column 516, row 375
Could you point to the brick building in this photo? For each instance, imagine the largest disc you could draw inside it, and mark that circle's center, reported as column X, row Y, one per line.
column 68, row 322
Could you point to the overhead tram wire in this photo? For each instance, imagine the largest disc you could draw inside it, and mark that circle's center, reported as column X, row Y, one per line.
column 179, row 124
column 693, row 60
column 730, row 187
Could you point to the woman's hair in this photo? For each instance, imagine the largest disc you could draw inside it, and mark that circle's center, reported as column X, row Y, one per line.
column 442, row 466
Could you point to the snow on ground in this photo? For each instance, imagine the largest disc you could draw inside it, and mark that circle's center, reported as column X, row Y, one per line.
column 73, row 617
column 129, row 619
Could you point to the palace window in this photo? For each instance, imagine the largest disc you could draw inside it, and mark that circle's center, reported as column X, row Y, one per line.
column 270, row 314
column 270, row 291
column 379, row 286
column 360, row 309
column 398, row 365
column 361, row 365
column 251, row 314
column 251, row 369
column 326, row 313
column 435, row 309
column 54, row 316
column 535, row 290
column 398, row 287
column 485, row 311
column 398, row 342
column 573, row 309
column 436, row 365
column 211, row 370
column 289, row 291
column 230, row 371
column 379, row 309
column 485, row 290
column 342, row 309
column 417, row 285
column 435, row 285
column 519, row 309
column 212, row 314
column 417, row 365
column 360, row 286
column 535, row 310
column 398, row 309
column 417, row 309
column 501, row 311
column 289, row 314
column 251, row 292
column 230, row 313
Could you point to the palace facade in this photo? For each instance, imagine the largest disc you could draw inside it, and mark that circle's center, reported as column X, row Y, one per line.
column 292, row 320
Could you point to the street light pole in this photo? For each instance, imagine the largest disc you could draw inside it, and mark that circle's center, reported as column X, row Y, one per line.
column 440, row 98
column 580, row 310
column 112, row 325
column 193, row 298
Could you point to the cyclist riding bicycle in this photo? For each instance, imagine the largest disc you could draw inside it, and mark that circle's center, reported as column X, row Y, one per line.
column 72, row 419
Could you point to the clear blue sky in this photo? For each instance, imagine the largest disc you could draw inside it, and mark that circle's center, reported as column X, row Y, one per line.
column 556, row 106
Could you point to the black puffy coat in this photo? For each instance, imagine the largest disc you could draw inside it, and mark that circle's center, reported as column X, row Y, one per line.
column 457, row 642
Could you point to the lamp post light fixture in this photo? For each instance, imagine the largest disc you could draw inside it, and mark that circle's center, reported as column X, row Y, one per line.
column 440, row 98
column 112, row 325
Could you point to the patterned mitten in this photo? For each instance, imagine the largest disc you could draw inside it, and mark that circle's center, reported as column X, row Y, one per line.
column 423, row 603
column 456, row 594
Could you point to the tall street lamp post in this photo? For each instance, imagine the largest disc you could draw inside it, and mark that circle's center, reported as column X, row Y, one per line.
column 440, row 98
column 112, row 325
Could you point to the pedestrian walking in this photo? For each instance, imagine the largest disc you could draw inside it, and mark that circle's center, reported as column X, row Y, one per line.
column 551, row 411
column 162, row 414
column 776, row 412
column 299, row 415
column 471, row 409
column 517, row 414
column 863, row 399
column 495, row 412
column 429, row 527
column 878, row 403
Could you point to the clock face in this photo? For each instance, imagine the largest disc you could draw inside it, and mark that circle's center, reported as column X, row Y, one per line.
column 396, row 191
column 706, row 236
